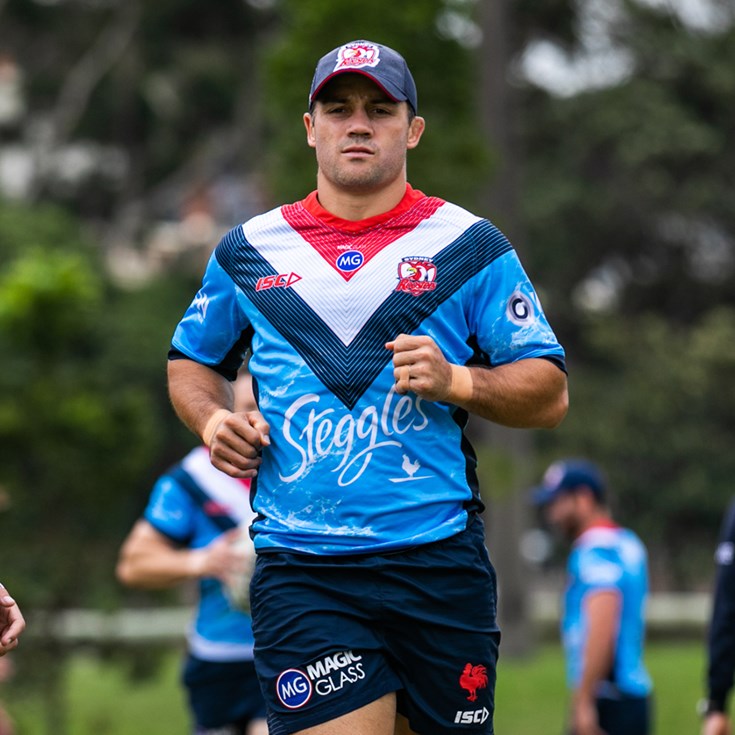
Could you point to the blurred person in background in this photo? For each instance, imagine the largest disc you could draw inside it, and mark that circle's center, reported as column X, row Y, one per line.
column 378, row 319
column 603, row 618
column 12, row 623
column 195, row 527
column 721, row 638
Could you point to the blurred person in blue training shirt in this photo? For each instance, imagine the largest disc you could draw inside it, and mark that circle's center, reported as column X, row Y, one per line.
column 603, row 618
column 195, row 527
column 721, row 639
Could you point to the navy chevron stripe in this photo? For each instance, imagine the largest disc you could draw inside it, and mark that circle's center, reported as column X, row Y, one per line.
column 348, row 371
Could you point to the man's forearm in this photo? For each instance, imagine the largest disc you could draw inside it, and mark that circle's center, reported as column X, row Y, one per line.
column 197, row 392
column 526, row 394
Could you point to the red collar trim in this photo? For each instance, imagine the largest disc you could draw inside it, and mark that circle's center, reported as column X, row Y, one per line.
column 311, row 205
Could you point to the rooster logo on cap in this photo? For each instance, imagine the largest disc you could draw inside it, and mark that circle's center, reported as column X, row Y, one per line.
column 357, row 54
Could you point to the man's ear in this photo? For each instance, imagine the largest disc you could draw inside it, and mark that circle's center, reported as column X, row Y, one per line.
column 309, row 125
column 415, row 131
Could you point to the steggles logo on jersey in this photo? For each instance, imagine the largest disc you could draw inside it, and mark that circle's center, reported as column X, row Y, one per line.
column 282, row 280
column 355, row 440
column 355, row 55
column 325, row 676
column 416, row 275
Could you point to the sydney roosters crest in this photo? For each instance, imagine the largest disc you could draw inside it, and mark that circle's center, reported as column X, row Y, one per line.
column 416, row 275
column 358, row 54
column 472, row 679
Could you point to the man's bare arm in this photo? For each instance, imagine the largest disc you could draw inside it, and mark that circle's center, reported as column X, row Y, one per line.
column 204, row 401
column 530, row 393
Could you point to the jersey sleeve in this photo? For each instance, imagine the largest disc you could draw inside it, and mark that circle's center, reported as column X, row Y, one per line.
column 721, row 639
column 214, row 330
column 170, row 510
column 506, row 315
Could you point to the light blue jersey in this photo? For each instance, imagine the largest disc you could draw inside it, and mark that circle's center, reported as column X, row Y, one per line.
column 608, row 558
column 191, row 516
column 354, row 467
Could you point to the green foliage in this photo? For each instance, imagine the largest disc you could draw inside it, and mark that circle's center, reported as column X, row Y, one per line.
column 82, row 410
column 636, row 178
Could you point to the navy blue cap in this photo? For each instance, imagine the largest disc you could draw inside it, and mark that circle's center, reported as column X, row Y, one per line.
column 386, row 67
column 566, row 475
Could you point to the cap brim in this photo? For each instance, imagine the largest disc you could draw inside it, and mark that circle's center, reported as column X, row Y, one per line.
column 393, row 93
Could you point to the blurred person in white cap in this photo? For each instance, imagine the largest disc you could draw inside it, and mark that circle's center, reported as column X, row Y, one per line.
column 603, row 619
column 377, row 318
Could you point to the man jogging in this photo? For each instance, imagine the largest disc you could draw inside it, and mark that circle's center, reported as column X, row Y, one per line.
column 377, row 318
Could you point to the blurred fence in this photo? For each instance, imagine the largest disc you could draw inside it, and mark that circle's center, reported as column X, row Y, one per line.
column 668, row 614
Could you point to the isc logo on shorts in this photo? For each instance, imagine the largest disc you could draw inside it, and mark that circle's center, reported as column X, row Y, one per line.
column 471, row 717
column 293, row 688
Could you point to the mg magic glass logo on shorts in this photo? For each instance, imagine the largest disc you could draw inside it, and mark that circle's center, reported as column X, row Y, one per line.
column 324, row 677
column 293, row 688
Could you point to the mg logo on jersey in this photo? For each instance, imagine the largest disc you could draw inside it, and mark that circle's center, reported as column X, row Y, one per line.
column 282, row 280
column 350, row 261
column 416, row 275
column 293, row 688
column 355, row 55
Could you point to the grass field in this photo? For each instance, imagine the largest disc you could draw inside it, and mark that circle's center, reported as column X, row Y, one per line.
column 530, row 697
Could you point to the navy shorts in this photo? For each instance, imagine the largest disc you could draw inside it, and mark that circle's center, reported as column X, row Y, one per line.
column 625, row 716
column 224, row 696
column 336, row 633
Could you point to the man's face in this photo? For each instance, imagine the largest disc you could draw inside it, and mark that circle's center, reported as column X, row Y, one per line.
column 360, row 135
column 563, row 515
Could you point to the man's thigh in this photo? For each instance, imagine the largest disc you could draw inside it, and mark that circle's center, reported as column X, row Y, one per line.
column 376, row 718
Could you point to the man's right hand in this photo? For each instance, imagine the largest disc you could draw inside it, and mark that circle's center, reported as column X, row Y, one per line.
column 236, row 442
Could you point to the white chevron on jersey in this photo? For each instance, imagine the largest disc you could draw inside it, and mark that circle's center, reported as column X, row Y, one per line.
column 221, row 488
column 370, row 286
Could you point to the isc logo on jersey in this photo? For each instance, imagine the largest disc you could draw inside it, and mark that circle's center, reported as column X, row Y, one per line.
column 325, row 676
column 282, row 280
column 349, row 261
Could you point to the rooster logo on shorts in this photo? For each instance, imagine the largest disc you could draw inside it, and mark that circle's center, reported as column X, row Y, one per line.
column 472, row 679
